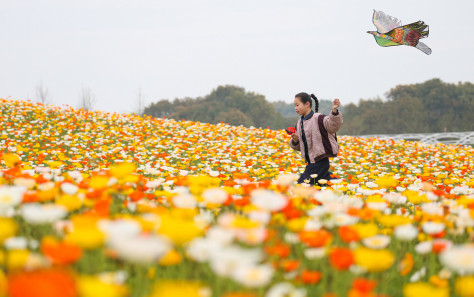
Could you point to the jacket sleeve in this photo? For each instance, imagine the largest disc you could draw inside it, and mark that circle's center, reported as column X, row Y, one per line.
column 333, row 122
column 296, row 147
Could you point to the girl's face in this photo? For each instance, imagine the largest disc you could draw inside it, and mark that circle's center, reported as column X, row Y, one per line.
column 301, row 108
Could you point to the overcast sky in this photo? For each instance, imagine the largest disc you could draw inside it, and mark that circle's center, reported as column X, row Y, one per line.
column 175, row 48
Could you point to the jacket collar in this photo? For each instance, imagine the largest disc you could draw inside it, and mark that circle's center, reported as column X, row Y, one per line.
column 308, row 116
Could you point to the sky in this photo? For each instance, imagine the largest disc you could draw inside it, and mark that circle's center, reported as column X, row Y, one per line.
column 166, row 49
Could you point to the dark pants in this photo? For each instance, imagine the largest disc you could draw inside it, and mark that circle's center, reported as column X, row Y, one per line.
column 321, row 168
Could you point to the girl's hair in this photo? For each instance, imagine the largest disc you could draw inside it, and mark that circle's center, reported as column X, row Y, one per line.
column 305, row 97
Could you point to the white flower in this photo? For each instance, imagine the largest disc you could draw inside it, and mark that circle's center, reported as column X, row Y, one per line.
column 432, row 208
column 286, row 179
column 313, row 175
column 200, row 249
column 259, row 216
column 432, row 227
column 36, row 214
column 253, row 276
column 214, row 173
column 395, row 198
column 10, row 197
column 142, row 249
column 418, row 275
column 285, row 290
column 342, row 219
column 184, row 201
column 371, row 185
column 28, row 183
column 154, row 183
column 16, row 243
column 215, row 195
column 69, row 188
column 314, row 253
column 122, row 228
column 313, row 224
column 459, row 258
column 377, row 205
column 424, row 247
column 220, row 235
column 268, row 200
column 251, row 236
column 292, row 237
column 406, row 232
column 225, row 260
column 377, row 241
column 204, row 218
column 183, row 172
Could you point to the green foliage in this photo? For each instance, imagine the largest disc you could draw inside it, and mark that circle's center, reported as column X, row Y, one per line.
column 228, row 104
column 432, row 106
column 429, row 107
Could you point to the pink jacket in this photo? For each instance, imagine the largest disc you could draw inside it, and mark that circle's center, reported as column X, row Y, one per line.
column 320, row 131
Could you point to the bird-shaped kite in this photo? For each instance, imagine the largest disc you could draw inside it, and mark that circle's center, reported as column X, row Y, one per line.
column 390, row 32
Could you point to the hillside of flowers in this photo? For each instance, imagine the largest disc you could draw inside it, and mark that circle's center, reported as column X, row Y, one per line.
column 116, row 205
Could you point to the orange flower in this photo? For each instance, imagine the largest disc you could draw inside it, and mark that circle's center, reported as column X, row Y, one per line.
column 316, row 238
column 341, row 258
column 42, row 283
column 290, row 265
column 348, row 234
column 364, row 285
column 310, row 277
column 61, row 253
column 406, row 264
column 280, row 250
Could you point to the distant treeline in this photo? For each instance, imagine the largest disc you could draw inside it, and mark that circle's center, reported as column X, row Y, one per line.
column 429, row 107
column 432, row 106
column 228, row 104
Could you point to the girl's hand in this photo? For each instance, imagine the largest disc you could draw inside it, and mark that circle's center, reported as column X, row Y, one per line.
column 294, row 137
column 335, row 105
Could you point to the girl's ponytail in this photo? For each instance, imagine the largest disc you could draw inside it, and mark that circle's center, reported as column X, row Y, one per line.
column 316, row 103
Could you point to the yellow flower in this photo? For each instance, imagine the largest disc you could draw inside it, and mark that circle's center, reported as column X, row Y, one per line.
column 296, row 225
column 8, row 228
column 99, row 182
column 393, row 220
column 86, row 238
column 173, row 257
column 178, row 230
column 243, row 222
column 464, row 286
column 424, row 289
column 122, row 170
column 374, row 260
column 415, row 198
column 366, row 230
column 91, row 286
column 11, row 160
column 16, row 259
column 179, row 289
column 71, row 202
column 386, row 182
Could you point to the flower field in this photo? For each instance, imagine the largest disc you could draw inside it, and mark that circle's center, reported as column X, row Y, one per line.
column 115, row 205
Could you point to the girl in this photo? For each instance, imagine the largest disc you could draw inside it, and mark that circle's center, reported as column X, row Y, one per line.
column 315, row 137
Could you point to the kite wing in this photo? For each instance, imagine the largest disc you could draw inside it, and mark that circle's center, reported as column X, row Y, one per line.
column 384, row 22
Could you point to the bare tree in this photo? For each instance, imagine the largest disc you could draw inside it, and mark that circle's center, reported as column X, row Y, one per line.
column 42, row 93
column 87, row 99
column 140, row 102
